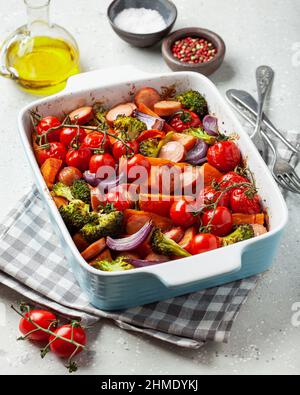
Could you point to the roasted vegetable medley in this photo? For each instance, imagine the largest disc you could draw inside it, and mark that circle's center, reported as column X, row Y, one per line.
column 148, row 181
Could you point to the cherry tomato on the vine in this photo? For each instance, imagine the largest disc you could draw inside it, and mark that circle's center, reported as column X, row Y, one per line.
column 42, row 318
column 51, row 150
column 120, row 149
column 94, row 141
column 47, row 123
column 245, row 202
column 181, row 215
column 204, row 242
column 232, row 178
column 69, row 135
column 210, row 195
column 62, row 348
column 79, row 158
column 224, row 155
column 221, row 221
column 136, row 167
column 100, row 160
column 120, row 199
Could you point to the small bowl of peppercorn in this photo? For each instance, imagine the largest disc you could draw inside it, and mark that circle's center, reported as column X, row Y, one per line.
column 194, row 49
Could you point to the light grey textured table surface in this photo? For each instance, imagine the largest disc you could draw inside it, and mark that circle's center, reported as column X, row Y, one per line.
column 265, row 338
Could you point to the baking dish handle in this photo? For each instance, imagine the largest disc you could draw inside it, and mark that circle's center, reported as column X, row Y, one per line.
column 200, row 267
column 112, row 75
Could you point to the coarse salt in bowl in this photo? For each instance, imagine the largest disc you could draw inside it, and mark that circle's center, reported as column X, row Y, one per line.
column 140, row 20
column 142, row 23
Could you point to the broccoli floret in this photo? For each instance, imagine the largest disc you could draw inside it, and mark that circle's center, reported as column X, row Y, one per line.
column 242, row 232
column 115, row 266
column 110, row 224
column 76, row 214
column 100, row 118
column 150, row 147
column 132, row 127
column 193, row 101
column 164, row 246
column 201, row 134
column 62, row 190
column 81, row 190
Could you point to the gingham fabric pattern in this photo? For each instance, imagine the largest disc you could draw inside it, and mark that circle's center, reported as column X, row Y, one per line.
column 32, row 263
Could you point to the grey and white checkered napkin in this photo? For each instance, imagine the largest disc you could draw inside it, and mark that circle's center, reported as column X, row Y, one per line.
column 32, row 263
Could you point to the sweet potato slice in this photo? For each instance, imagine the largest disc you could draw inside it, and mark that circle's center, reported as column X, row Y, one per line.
column 210, row 174
column 239, row 218
column 136, row 219
column 50, row 169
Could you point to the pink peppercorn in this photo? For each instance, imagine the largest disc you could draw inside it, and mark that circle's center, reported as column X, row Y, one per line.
column 194, row 50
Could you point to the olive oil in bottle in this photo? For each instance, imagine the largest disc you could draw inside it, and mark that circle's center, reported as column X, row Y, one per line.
column 43, row 64
column 40, row 56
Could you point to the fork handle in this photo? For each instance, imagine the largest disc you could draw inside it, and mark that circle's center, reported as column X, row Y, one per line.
column 264, row 79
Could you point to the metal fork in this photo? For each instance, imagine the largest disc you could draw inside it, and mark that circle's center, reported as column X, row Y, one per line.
column 281, row 170
column 264, row 80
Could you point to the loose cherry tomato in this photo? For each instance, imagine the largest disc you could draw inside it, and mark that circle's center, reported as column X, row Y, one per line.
column 224, row 156
column 204, row 242
column 100, row 160
column 232, row 178
column 47, row 123
column 209, row 195
column 82, row 115
column 67, row 135
column 221, row 221
column 52, row 150
column 64, row 349
column 43, row 318
column 120, row 200
column 120, row 149
column 245, row 202
column 151, row 134
column 79, row 158
column 136, row 167
column 180, row 214
column 185, row 120
column 94, row 141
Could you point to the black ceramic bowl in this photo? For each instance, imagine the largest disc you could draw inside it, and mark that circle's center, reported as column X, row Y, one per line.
column 206, row 68
column 165, row 7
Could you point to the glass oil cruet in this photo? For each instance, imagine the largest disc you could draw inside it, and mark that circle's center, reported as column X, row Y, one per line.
column 39, row 56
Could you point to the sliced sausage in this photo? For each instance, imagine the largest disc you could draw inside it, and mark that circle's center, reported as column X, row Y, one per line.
column 166, row 108
column 94, row 249
column 173, row 151
column 175, row 234
column 125, row 109
column 147, row 96
column 82, row 115
column 186, row 241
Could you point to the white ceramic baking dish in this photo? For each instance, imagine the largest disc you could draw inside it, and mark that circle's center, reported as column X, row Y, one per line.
column 113, row 291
